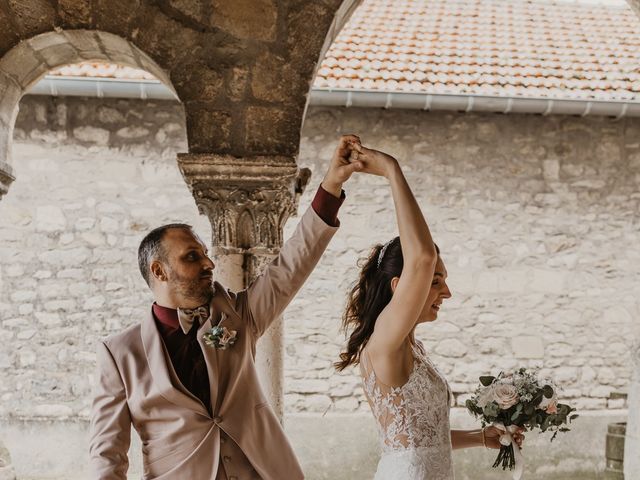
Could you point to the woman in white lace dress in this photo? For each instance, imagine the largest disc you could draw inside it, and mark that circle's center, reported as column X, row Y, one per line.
column 402, row 284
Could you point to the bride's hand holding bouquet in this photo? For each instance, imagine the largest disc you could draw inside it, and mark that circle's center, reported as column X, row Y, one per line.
column 514, row 402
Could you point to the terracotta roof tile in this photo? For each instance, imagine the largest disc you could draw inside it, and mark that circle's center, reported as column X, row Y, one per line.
column 533, row 48
column 101, row 70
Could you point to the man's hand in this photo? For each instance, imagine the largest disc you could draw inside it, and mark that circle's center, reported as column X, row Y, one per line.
column 343, row 164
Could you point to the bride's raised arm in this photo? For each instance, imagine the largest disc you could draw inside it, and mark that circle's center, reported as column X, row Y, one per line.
column 399, row 317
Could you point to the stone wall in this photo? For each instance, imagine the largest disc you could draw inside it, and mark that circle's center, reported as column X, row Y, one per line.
column 537, row 219
column 92, row 178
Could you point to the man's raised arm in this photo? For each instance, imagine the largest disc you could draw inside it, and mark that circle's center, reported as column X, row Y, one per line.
column 272, row 291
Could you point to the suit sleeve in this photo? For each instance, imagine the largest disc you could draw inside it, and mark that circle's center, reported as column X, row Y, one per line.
column 110, row 429
column 276, row 286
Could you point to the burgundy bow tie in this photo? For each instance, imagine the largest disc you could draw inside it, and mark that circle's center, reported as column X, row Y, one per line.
column 188, row 316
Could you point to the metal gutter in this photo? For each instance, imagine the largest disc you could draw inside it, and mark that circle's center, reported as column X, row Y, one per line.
column 474, row 103
column 153, row 89
column 59, row 86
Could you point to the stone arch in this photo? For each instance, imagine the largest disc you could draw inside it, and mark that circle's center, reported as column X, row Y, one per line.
column 23, row 65
column 635, row 4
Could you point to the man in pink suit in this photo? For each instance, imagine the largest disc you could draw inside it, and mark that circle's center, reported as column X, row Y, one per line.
column 184, row 376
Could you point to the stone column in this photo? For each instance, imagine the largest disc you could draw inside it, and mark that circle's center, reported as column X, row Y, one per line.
column 6, row 178
column 632, row 438
column 6, row 470
column 248, row 201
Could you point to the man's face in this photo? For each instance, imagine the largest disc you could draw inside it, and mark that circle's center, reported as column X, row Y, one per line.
column 189, row 270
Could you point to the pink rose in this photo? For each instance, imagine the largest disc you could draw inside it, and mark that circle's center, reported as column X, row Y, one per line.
column 505, row 395
column 228, row 337
column 549, row 405
column 552, row 408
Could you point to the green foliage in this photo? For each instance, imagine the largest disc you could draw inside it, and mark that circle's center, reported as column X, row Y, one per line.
column 487, row 380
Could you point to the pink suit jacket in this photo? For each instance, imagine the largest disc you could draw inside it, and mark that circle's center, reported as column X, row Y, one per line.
column 180, row 440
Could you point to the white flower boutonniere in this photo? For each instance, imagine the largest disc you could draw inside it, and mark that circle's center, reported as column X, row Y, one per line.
column 220, row 337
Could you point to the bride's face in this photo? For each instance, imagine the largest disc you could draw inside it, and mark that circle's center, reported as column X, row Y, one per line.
column 438, row 292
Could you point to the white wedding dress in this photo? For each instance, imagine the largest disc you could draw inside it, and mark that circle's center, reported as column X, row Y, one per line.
column 413, row 422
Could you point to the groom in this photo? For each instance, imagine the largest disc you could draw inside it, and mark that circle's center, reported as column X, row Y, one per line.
column 184, row 377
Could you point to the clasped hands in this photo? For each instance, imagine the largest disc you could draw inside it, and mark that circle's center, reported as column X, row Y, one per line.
column 349, row 157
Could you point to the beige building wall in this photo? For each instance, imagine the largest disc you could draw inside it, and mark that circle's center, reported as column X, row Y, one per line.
column 537, row 219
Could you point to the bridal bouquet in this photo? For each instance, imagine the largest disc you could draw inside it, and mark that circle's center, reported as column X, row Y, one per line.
column 518, row 399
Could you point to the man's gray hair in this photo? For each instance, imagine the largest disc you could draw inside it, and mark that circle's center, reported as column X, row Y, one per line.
column 151, row 248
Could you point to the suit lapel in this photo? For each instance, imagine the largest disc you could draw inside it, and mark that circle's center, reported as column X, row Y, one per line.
column 158, row 359
column 220, row 303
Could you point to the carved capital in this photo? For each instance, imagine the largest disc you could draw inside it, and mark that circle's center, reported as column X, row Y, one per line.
column 6, row 178
column 247, row 200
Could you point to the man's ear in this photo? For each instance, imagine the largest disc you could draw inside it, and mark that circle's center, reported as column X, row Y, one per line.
column 158, row 271
column 394, row 284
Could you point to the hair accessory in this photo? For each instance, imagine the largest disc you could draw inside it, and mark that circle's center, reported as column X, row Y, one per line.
column 383, row 250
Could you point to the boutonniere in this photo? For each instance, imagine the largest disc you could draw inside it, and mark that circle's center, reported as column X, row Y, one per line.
column 220, row 337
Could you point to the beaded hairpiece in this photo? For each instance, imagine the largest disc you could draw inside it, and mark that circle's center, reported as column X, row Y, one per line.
column 383, row 250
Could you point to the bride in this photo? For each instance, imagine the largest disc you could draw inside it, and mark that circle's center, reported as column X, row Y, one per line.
column 401, row 285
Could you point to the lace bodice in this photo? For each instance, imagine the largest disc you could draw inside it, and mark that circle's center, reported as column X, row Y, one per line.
column 412, row 420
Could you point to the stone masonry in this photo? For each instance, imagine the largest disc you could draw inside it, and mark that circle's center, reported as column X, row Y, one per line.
column 537, row 219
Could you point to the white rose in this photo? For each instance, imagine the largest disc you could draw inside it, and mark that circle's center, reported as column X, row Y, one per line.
column 486, row 396
column 506, row 395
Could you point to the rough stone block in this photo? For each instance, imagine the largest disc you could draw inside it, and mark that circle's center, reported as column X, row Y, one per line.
column 192, row 10
column 199, row 83
column 35, row 16
column 64, row 258
column 50, row 218
column 238, row 83
column 27, row 357
column 75, row 14
column 58, row 55
column 272, row 131
column 48, row 319
column 132, row 132
column 85, row 42
column 305, row 39
column 20, row 296
column 23, row 66
column 57, row 411
column 208, row 130
column 115, row 17
column 46, row 40
column 247, row 19
column 272, row 78
column 451, row 348
column 94, row 303
column 156, row 36
column 548, row 281
column 98, row 136
column 8, row 37
column 108, row 224
column 527, row 347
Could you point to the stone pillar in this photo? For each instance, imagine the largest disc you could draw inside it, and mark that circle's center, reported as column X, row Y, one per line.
column 248, row 201
column 632, row 440
column 6, row 470
column 6, row 178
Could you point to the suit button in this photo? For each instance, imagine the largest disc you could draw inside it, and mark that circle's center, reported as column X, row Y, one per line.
column 226, row 458
column 217, row 419
column 222, row 439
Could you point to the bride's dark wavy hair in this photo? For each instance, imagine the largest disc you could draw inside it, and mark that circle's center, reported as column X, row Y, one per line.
column 368, row 297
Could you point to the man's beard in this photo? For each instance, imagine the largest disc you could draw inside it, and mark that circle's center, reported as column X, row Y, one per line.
column 195, row 291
